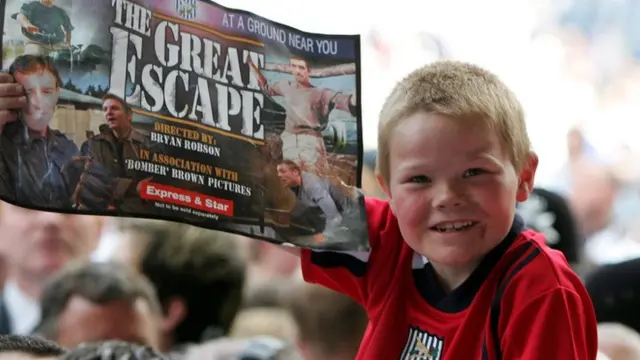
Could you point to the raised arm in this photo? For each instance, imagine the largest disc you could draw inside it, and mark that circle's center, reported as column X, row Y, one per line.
column 337, row 70
column 271, row 90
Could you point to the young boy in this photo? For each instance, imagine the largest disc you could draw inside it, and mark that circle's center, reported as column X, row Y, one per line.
column 452, row 273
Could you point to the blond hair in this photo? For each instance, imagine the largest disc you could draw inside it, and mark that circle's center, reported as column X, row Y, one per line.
column 458, row 90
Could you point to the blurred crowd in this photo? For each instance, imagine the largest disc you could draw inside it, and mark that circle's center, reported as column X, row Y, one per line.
column 182, row 291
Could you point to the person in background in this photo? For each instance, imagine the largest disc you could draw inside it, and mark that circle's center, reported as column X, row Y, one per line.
column 35, row 245
column 269, row 271
column 597, row 194
column 592, row 196
column 330, row 325
column 549, row 213
column 84, row 148
column 595, row 189
column 100, row 301
column 23, row 347
column 618, row 342
column 104, row 129
column 198, row 274
column 272, row 321
column 614, row 292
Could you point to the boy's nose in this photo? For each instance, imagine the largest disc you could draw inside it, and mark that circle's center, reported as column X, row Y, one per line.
column 446, row 197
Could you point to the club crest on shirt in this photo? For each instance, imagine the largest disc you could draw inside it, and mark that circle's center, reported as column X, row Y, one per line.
column 422, row 346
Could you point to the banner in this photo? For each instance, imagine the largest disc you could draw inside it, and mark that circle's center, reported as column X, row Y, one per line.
column 188, row 111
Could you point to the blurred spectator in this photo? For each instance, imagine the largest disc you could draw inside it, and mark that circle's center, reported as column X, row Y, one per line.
column 330, row 325
column 618, row 342
column 104, row 129
column 270, row 321
column 273, row 292
column 549, row 213
column 593, row 198
column 615, row 292
column 593, row 192
column 579, row 148
column 111, row 350
column 95, row 302
column 198, row 274
column 268, row 265
column 35, row 245
column 22, row 347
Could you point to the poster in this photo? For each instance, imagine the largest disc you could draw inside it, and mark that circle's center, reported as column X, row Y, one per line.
column 188, row 111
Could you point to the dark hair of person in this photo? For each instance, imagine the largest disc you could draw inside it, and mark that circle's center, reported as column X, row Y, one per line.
column 290, row 164
column 204, row 268
column 332, row 322
column 103, row 128
column 100, row 283
column 28, row 64
column 120, row 100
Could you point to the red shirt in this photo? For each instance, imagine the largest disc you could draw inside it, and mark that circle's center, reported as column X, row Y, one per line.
column 522, row 302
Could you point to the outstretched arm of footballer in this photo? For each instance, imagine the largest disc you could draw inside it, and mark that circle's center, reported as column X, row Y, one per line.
column 336, row 70
column 271, row 90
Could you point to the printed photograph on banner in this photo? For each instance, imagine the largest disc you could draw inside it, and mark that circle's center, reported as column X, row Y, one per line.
column 185, row 110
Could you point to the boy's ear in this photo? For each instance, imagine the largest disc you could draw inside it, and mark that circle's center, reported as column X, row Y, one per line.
column 383, row 186
column 526, row 177
column 387, row 192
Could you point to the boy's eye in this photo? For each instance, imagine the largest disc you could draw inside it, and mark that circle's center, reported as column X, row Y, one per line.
column 473, row 172
column 421, row 179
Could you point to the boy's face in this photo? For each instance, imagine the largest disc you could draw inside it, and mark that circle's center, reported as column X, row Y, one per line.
column 452, row 187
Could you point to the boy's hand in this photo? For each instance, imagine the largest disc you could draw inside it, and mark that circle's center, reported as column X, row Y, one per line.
column 12, row 97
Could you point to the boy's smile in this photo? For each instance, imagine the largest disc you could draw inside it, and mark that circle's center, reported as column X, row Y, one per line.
column 454, row 226
column 453, row 188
